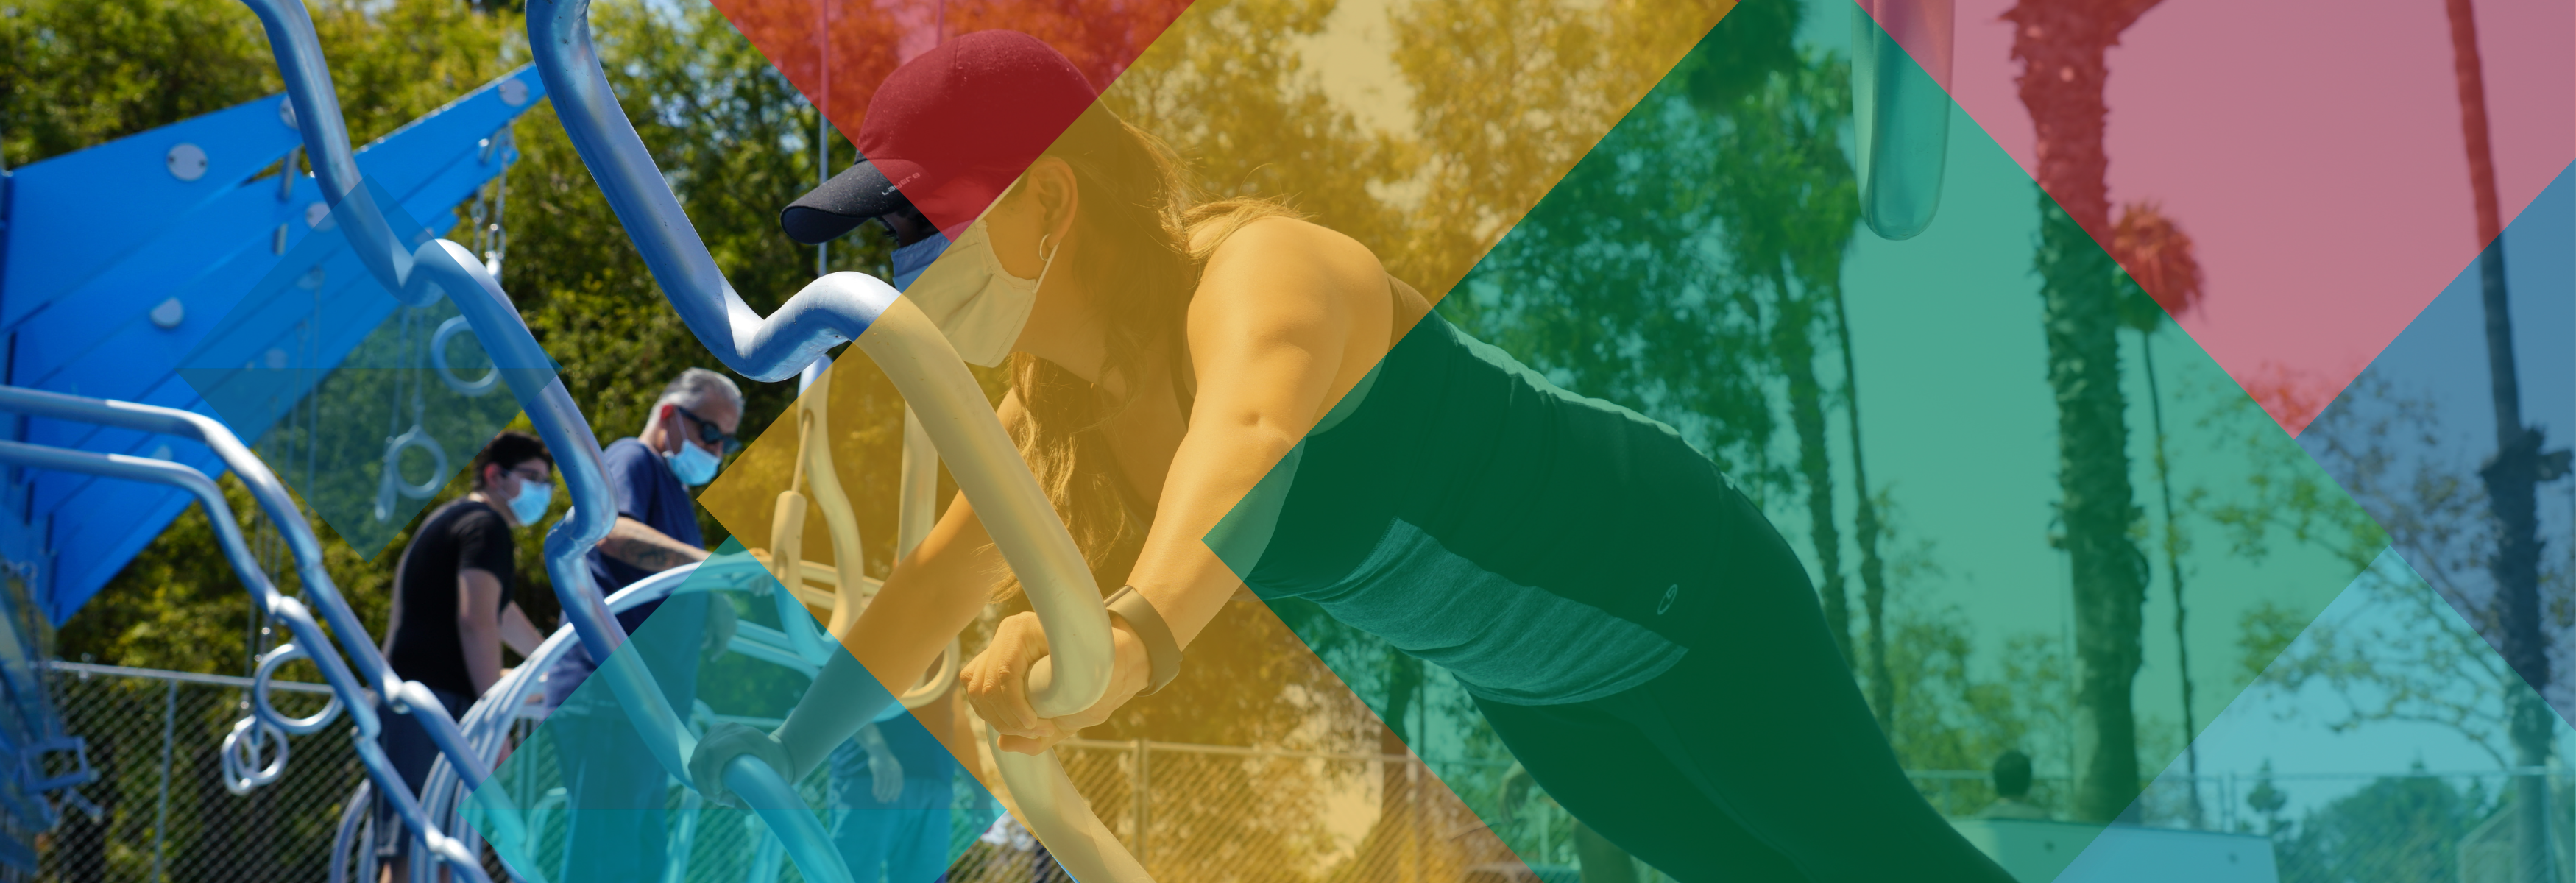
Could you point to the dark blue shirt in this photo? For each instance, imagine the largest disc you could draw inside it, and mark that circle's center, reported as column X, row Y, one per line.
column 645, row 489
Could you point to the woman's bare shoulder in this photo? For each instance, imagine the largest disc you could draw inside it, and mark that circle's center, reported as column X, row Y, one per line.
column 1280, row 249
column 1286, row 235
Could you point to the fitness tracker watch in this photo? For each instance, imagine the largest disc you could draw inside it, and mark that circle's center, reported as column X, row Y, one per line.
column 1162, row 654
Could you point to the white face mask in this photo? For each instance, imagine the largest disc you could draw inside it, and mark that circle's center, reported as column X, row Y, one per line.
column 979, row 305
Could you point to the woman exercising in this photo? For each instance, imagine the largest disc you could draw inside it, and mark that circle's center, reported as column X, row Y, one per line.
column 1246, row 399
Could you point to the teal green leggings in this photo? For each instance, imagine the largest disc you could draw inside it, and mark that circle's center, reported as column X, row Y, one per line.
column 1752, row 759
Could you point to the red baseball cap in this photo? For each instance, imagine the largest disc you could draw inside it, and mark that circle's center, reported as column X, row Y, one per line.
column 947, row 132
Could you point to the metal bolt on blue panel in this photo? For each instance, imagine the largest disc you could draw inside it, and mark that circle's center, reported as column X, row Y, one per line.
column 186, row 162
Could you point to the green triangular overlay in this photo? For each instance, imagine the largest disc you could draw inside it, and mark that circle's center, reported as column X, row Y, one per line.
column 599, row 807
column 1688, row 268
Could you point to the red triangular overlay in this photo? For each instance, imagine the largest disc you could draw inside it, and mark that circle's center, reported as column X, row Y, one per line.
column 868, row 40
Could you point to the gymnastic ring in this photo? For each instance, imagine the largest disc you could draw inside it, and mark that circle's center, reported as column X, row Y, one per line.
column 268, row 713
column 415, row 438
column 241, row 751
column 438, row 359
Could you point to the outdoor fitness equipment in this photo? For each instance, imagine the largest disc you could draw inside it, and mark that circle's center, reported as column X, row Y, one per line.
column 796, row 645
column 904, row 342
column 487, row 725
column 438, row 268
column 852, row 589
column 267, row 726
column 1901, row 110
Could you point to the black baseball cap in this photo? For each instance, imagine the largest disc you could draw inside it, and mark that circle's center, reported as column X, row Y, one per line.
column 853, row 197
column 958, row 122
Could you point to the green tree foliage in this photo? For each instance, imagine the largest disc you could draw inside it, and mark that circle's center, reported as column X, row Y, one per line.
column 2396, row 828
column 80, row 73
column 1232, row 80
column 2435, row 660
column 1507, row 92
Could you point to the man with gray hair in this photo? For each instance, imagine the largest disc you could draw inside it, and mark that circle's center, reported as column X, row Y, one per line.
column 615, row 787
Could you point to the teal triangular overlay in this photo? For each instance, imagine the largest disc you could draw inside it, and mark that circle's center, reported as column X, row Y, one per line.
column 601, row 808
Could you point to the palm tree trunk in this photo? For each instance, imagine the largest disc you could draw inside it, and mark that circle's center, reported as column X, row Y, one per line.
column 2097, row 507
column 1796, row 350
column 2173, row 570
column 1865, row 529
column 2512, row 477
column 2062, row 44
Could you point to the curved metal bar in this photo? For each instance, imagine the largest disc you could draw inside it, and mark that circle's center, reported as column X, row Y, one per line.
column 825, row 479
column 442, row 268
column 261, row 707
column 298, row 50
column 353, row 813
column 446, row 374
column 1901, row 53
column 814, row 448
column 239, row 756
column 799, row 832
column 487, row 724
column 925, row 369
column 918, row 509
column 815, row 465
column 309, row 90
column 1023, row 523
column 299, row 622
column 838, row 307
column 772, row 348
column 351, row 636
column 787, row 547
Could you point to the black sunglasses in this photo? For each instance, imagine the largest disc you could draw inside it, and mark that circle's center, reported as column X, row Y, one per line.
column 707, row 432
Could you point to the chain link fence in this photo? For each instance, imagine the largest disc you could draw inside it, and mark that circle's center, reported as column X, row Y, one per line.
column 1205, row 814
column 164, row 814
column 1241, row 815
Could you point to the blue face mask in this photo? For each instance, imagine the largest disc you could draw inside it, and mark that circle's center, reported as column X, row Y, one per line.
column 693, row 464
column 910, row 260
column 530, row 504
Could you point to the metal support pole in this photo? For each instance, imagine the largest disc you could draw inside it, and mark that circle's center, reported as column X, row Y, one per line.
column 161, row 821
column 1413, row 852
column 823, row 127
column 1140, row 791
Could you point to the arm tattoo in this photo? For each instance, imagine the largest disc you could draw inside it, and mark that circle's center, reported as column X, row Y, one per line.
column 632, row 542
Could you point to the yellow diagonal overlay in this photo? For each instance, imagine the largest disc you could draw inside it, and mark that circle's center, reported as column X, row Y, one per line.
column 1425, row 131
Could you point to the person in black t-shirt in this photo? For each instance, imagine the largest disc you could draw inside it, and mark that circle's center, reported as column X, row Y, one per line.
column 452, row 610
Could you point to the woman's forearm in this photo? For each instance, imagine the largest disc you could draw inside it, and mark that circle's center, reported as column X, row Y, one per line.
column 1214, row 470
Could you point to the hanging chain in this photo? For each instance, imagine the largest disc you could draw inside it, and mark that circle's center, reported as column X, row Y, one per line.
column 501, row 199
